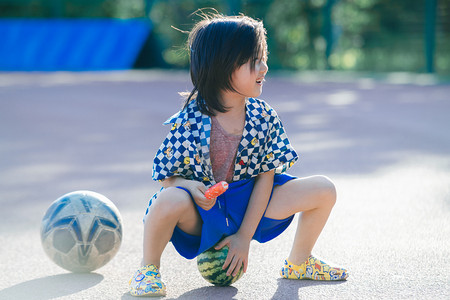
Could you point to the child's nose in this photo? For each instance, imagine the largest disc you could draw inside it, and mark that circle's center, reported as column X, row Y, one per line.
column 264, row 68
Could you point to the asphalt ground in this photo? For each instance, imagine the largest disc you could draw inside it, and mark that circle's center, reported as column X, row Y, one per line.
column 385, row 142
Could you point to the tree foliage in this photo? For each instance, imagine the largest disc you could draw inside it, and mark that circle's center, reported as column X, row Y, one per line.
column 370, row 35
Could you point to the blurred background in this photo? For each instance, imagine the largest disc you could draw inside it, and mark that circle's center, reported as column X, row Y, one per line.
column 354, row 35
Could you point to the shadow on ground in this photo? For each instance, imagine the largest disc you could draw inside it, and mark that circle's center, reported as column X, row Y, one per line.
column 207, row 292
column 55, row 286
column 288, row 289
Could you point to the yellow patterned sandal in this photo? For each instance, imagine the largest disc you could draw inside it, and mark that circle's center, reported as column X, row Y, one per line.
column 314, row 269
column 147, row 282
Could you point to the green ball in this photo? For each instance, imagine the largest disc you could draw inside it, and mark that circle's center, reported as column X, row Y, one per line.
column 210, row 264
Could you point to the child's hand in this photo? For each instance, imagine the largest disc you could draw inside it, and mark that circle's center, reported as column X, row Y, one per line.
column 238, row 248
column 198, row 190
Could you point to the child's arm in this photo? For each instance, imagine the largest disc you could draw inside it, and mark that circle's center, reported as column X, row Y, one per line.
column 257, row 204
column 239, row 243
column 196, row 188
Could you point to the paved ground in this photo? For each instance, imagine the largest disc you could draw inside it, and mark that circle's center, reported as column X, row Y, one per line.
column 385, row 143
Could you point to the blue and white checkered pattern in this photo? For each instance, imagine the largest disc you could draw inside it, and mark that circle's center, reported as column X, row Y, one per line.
column 185, row 151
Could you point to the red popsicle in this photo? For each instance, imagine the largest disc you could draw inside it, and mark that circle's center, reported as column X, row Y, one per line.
column 216, row 190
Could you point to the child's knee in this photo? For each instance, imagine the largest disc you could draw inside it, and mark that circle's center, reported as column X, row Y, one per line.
column 172, row 200
column 327, row 189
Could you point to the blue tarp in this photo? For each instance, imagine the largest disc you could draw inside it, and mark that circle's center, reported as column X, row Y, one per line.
column 70, row 44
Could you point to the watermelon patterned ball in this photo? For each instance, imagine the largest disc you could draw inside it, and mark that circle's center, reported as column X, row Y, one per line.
column 210, row 264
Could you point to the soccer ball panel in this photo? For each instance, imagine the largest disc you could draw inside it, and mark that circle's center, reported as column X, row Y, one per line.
column 63, row 240
column 105, row 241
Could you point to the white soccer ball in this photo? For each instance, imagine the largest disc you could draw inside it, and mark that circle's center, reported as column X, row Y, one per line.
column 81, row 231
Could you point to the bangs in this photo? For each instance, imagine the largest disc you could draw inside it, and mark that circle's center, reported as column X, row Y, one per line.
column 260, row 49
column 251, row 43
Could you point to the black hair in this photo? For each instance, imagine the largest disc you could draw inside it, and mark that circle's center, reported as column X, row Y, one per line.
column 218, row 46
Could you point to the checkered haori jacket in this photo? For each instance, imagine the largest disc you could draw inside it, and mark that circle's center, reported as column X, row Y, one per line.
column 264, row 145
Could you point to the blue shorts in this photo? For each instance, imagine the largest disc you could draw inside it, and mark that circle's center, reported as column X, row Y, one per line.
column 225, row 218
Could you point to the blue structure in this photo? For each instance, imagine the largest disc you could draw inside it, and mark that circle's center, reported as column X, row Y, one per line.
column 71, row 44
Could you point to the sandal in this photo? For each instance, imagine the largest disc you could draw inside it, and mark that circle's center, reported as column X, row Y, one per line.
column 147, row 282
column 313, row 269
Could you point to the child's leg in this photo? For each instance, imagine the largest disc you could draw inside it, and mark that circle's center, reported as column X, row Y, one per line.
column 313, row 196
column 173, row 207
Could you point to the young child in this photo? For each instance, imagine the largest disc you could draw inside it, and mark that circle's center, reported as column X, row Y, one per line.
column 225, row 133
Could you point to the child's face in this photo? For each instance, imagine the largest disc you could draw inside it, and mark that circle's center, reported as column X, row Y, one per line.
column 249, row 82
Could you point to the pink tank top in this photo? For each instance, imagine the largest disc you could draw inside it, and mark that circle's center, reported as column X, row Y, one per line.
column 223, row 150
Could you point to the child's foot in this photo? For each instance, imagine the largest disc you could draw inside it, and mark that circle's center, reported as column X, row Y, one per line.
column 147, row 282
column 314, row 269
